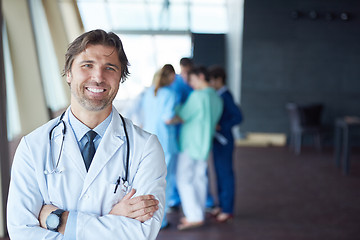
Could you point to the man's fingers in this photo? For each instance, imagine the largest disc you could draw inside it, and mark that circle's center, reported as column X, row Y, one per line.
column 144, row 212
column 141, row 198
column 144, row 204
column 140, row 207
column 129, row 194
column 145, row 217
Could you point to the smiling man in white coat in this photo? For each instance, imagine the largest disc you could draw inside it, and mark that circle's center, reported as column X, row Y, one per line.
column 89, row 174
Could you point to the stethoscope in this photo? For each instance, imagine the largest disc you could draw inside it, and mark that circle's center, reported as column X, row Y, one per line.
column 55, row 168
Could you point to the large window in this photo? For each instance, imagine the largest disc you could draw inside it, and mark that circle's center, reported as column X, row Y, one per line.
column 50, row 72
column 13, row 118
column 154, row 33
column 153, row 15
column 147, row 54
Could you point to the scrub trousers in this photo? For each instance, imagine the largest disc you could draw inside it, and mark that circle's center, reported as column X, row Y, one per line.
column 192, row 186
column 171, row 162
column 223, row 162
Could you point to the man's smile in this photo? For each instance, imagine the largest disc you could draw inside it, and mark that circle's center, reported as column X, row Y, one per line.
column 95, row 90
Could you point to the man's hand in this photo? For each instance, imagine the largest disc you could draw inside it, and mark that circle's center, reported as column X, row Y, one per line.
column 140, row 208
column 45, row 212
column 174, row 120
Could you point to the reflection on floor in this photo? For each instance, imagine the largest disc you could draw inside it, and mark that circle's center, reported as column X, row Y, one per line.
column 283, row 196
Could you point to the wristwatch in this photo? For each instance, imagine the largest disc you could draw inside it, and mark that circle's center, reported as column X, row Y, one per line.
column 53, row 221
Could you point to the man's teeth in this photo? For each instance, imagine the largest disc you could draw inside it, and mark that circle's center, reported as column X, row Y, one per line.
column 96, row 90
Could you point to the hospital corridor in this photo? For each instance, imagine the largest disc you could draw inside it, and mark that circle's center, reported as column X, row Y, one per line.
column 179, row 119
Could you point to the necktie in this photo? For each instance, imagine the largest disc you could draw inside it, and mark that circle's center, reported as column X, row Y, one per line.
column 89, row 148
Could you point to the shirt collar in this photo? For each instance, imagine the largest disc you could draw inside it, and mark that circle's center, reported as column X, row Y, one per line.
column 221, row 90
column 81, row 129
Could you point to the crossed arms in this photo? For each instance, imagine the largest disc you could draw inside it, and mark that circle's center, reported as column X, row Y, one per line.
column 140, row 208
column 137, row 215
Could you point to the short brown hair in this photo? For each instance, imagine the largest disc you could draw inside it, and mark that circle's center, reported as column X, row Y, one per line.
column 217, row 71
column 186, row 62
column 199, row 70
column 97, row 37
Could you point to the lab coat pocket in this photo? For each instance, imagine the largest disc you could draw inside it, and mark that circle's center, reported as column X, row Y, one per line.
column 115, row 193
column 57, row 190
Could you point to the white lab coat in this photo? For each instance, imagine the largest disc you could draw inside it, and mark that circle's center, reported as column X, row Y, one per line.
column 91, row 193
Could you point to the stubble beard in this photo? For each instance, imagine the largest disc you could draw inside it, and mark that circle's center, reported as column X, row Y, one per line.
column 91, row 104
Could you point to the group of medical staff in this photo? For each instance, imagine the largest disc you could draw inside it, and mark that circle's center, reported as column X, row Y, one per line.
column 173, row 104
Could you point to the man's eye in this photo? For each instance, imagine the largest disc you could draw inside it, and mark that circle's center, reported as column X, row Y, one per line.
column 110, row 68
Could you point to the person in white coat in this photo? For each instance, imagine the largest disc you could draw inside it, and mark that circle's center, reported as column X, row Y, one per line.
column 56, row 192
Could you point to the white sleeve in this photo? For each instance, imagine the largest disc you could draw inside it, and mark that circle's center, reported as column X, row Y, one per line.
column 25, row 200
column 149, row 179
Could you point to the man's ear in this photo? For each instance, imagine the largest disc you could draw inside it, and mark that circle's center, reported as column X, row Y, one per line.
column 68, row 77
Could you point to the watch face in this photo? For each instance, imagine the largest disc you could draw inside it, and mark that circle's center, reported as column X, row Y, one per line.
column 52, row 221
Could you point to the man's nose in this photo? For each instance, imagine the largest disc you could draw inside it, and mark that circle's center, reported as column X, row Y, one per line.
column 97, row 75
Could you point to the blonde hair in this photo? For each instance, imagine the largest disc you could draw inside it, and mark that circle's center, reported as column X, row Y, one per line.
column 164, row 77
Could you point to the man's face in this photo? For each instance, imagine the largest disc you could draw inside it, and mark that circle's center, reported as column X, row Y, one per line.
column 216, row 83
column 94, row 78
column 194, row 81
column 184, row 72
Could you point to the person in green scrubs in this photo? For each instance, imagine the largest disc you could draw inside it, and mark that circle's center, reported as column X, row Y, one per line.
column 200, row 115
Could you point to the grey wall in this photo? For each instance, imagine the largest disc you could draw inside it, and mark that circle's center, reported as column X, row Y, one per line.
column 299, row 60
column 208, row 49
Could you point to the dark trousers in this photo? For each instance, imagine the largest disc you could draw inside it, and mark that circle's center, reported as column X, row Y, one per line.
column 223, row 155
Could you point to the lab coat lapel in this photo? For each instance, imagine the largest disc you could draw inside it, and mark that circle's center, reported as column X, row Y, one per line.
column 111, row 142
column 71, row 153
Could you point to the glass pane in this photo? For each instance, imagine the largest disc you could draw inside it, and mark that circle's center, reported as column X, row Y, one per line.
column 147, row 54
column 130, row 16
column 177, row 17
column 208, row 19
column 209, row 2
column 206, row 15
column 12, row 110
column 88, row 9
column 49, row 67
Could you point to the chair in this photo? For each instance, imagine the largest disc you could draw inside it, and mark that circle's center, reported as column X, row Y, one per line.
column 304, row 119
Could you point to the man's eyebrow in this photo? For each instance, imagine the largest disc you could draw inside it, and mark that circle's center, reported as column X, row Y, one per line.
column 86, row 61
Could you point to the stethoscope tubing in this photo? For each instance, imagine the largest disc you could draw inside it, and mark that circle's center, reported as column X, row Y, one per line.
column 54, row 167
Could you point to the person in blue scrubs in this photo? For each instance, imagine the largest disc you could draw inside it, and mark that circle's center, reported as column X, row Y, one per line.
column 180, row 85
column 182, row 89
column 158, row 107
column 223, row 146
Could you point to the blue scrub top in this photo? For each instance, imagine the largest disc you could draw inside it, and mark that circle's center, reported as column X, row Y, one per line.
column 156, row 111
column 181, row 88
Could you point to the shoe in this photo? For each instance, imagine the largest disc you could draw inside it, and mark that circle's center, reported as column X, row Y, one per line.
column 215, row 211
column 224, row 217
column 185, row 225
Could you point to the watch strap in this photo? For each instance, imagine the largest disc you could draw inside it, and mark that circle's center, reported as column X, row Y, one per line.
column 58, row 212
